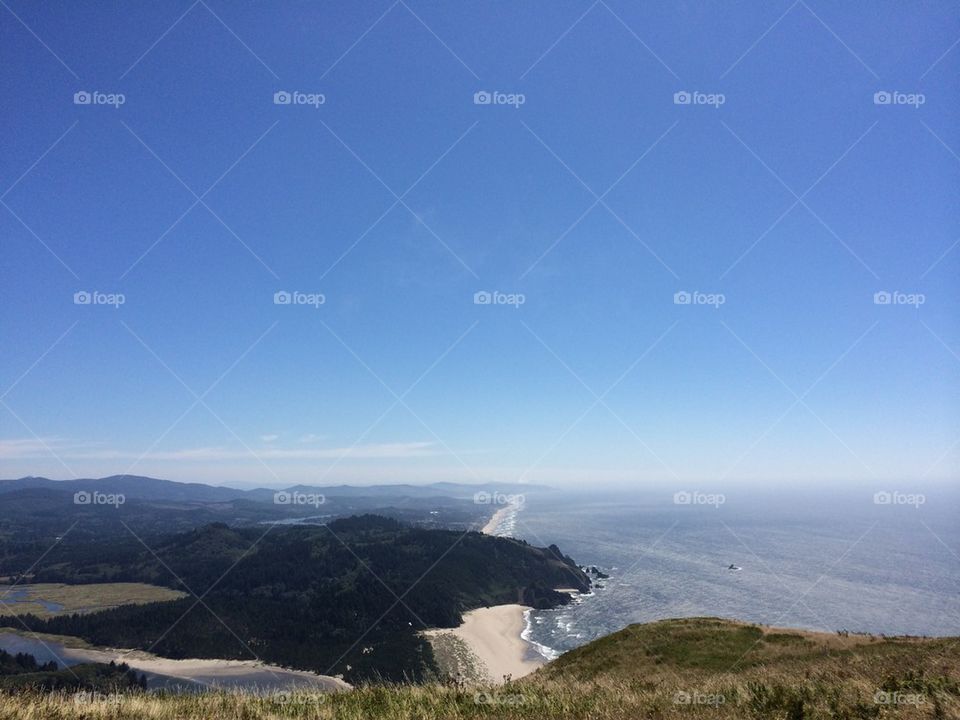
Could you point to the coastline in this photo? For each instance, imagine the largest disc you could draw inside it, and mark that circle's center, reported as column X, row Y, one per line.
column 494, row 522
column 494, row 638
column 493, row 642
column 167, row 673
column 504, row 521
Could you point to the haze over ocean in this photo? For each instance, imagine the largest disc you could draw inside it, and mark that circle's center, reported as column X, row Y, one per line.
column 824, row 560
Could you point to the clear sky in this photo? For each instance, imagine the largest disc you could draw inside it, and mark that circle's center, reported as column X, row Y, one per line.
column 586, row 194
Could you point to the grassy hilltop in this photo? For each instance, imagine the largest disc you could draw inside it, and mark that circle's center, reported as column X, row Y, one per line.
column 693, row 668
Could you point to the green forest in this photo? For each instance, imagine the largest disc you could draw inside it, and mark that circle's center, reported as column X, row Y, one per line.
column 345, row 599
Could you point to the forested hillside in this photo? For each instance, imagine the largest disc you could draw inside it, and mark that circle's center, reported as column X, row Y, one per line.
column 345, row 599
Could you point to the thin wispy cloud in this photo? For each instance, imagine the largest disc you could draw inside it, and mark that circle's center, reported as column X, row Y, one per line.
column 27, row 448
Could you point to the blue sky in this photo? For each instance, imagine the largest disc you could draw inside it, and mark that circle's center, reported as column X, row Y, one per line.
column 782, row 198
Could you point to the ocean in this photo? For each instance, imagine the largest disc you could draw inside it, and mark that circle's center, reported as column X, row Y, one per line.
column 881, row 561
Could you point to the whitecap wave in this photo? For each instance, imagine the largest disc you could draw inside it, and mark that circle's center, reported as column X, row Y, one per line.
column 545, row 651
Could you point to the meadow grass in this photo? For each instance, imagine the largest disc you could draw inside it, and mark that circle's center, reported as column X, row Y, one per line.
column 80, row 598
column 697, row 668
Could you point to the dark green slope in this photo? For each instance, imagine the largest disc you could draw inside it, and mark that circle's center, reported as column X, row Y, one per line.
column 345, row 599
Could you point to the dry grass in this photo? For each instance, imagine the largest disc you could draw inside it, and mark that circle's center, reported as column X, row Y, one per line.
column 604, row 700
column 693, row 669
column 456, row 660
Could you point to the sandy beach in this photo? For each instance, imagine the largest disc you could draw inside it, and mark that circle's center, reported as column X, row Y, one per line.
column 504, row 521
column 494, row 522
column 488, row 645
column 164, row 673
column 492, row 636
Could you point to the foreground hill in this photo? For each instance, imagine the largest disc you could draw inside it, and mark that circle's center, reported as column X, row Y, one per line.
column 731, row 669
column 694, row 668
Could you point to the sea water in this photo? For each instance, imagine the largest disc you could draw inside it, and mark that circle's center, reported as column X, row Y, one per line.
column 863, row 560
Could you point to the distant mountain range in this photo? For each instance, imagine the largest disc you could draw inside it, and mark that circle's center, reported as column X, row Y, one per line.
column 137, row 487
column 36, row 511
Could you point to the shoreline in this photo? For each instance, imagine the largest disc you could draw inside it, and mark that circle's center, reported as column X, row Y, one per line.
column 493, row 636
column 504, row 521
column 170, row 674
column 494, row 522
column 532, row 653
column 544, row 651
